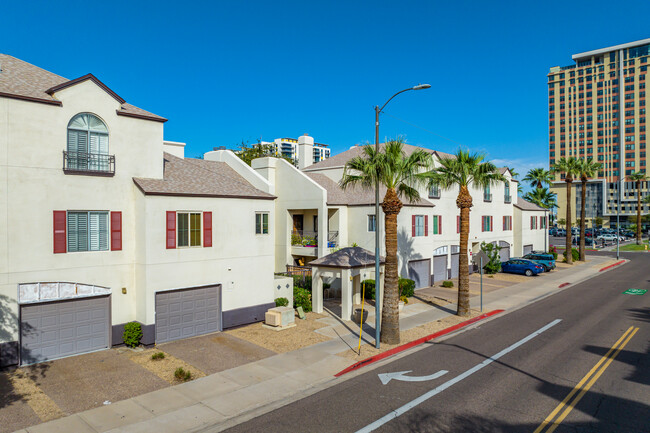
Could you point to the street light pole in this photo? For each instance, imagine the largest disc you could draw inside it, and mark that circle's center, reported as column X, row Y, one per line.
column 378, row 288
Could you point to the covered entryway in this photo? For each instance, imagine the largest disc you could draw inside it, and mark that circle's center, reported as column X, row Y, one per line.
column 439, row 268
column 419, row 271
column 187, row 312
column 528, row 249
column 51, row 330
column 504, row 252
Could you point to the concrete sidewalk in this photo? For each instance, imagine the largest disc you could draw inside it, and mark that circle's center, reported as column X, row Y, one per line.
column 227, row 398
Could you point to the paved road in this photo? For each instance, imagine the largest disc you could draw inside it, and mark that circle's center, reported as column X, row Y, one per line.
column 508, row 374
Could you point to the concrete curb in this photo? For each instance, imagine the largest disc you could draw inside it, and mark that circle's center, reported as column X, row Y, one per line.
column 414, row 343
column 612, row 265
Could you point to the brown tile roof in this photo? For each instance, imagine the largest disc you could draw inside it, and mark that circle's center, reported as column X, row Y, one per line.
column 346, row 258
column 354, row 196
column 526, row 205
column 340, row 159
column 199, row 178
column 22, row 80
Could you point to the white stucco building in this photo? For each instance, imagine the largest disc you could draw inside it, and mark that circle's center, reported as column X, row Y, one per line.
column 103, row 223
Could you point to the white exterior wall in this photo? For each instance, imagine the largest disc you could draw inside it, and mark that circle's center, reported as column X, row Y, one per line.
column 239, row 259
column 524, row 235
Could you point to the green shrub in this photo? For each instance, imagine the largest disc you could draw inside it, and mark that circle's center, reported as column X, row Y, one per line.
column 494, row 260
column 182, row 374
column 369, row 291
column 132, row 334
column 157, row 356
column 448, row 284
column 406, row 287
column 304, row 282
column 553, row 250
column 281, row 302
column 575, row 254
column 302, row 298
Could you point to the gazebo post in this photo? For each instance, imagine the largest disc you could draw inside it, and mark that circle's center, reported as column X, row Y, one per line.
column 316, row 290
column 346, row 294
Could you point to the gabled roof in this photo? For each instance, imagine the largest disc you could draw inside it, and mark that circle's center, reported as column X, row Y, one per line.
column 199, row 178
column 346, row 258
column 526, row 205
column 354, row 196
column 22, row 80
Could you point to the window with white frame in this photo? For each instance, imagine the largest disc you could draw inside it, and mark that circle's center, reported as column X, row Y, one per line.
column 87, row 231
column 533, row 222
column 434, row 191
column 418, row 225
column 87, row 147
column 372, row 223
column 507, row 222
column 261, row 223
column 542, row 222
column 188, row 229
column 486, row 225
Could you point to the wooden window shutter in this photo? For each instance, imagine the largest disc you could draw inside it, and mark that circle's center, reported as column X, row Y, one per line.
column 171, row 229
column 59, row 227
column 207, row 229
column 439, row 224
column 426, row 225
column 413, row 225
column 116, row 231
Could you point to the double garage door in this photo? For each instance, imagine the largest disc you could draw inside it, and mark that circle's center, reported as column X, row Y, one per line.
column 419, row 271
column 57, row 329
column 187, row 312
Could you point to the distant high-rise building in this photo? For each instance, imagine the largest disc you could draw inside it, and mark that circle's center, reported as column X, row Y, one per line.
column 288, row 148
column 597, row 109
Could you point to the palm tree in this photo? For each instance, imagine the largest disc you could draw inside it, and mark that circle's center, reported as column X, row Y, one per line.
column 571, row 168
column 401, row 175
column 542, row 197
column 587, row 169
column 464, row 170
column 538, row 177
column 638, row 177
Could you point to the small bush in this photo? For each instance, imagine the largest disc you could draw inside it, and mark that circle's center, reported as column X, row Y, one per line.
column 447, row 284
column 575, row 255
column 553, row 250
column 182, row 374
column 281, row 302
column 303, row 282
column 494, row 261
column 302, row 298
column 404, row 299
column 132, row 334
column 406, row 287
column 369, row 291
column 157, row 356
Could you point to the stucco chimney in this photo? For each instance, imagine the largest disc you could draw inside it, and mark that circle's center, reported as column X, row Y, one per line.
column 305, row 151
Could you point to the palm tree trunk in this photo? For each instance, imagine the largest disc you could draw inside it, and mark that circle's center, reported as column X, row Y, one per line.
column 464, row 202
column 638, row 212
column 390, row 309
column 582, row 220
column 567, row 251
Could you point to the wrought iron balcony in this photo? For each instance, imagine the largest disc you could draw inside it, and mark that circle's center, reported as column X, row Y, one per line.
column 88, row 163
column 487, row 197
column 306, row 238
column 507, row 199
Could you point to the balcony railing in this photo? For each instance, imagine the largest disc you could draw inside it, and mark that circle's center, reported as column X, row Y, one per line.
column 487, row 196
column 507, row 199
column 88, row 163
column 304, row 238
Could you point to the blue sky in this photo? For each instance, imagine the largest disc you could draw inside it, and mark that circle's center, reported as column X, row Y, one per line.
column 223, row 72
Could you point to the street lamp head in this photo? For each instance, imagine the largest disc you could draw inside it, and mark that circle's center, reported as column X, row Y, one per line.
column 421, row 86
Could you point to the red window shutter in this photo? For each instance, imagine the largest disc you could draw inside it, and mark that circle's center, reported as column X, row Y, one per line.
column 439, row 224
column 59, row 226
column 171, row 229
column 413, row 225
column 207, row 229
column 116, row 231
column 426, row 225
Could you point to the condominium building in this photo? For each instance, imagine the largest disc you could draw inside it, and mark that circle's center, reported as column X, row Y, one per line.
column 597, row 109
column 288, row 148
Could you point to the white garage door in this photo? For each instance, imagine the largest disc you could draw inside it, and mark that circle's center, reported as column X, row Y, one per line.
column 63, row 328
column 528, row 249
column 455, row 262
column 419, row 272
column 504, row 252
column 439, row 268
column 187, row 313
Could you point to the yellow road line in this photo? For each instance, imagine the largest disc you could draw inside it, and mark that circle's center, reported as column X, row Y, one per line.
column 606, row 360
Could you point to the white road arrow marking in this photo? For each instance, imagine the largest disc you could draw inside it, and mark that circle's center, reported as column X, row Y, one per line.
column 401, row 375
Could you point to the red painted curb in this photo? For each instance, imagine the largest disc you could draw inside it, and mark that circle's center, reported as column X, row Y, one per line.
column 563, row 285
column 611, row 266
column 414, row 343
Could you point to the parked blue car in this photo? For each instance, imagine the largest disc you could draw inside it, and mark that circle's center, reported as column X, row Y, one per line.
column 543, row 259
column 522, row 266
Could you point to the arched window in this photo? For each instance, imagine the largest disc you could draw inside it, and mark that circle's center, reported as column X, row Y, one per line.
column 87, row 143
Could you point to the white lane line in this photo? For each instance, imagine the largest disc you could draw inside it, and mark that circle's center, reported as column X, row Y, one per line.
column 424, row 397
